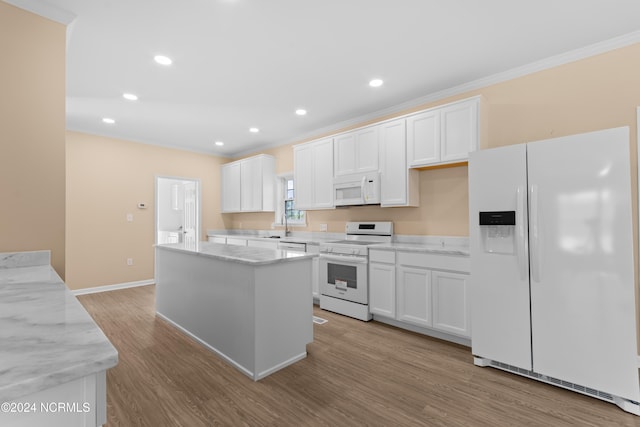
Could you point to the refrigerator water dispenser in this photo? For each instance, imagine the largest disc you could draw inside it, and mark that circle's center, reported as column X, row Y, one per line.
column 498, row 232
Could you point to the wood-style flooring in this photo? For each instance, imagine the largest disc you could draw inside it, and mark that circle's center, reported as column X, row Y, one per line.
column 355, row 374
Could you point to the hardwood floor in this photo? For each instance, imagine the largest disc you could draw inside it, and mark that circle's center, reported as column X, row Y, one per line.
column 356, row 373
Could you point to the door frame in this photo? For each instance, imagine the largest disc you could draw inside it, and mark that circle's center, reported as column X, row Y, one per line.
column 198, row 203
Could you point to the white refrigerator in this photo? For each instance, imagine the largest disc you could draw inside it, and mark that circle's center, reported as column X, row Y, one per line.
column 552, row 275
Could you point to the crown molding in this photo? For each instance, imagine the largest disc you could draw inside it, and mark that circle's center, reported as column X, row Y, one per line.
column 44, row 9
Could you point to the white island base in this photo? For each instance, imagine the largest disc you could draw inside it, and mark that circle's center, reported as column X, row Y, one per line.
column 258, row 316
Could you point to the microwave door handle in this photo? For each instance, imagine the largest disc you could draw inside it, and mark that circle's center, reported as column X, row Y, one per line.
column 362, row 184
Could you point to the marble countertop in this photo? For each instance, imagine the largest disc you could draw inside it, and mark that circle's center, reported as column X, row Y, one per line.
column 445, row 245
column 298, row 237
column 423, row 247
column 47, row 338
column 242, row 254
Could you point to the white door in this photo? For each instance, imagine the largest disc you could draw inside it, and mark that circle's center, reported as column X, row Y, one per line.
column 190, row 212
column 177, row 210
column 367, row 150
column 499, row 280
column 582, row 272
column 345, row 154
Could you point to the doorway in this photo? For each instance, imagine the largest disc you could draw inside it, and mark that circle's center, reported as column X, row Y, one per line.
column 177, row 210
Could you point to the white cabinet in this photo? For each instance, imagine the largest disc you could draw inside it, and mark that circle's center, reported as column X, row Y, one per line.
column 356, row 152
column 445, row 134
column 217, row 239
column 382, row 283
column 230, row 182
column 248, row 185
column 313, row 174
column 414, row 295
column 263, row 243
column 450, row 305
column 421, row 289
column 236, row 241
column 399, row 185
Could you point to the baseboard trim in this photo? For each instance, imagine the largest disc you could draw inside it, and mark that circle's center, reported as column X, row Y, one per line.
column 107, row 288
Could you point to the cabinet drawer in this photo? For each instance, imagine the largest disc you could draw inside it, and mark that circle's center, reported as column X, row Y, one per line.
column 388, row 257
column 435, row 261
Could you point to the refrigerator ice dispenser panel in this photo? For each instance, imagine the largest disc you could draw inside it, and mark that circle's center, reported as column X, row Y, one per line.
column 498, row 231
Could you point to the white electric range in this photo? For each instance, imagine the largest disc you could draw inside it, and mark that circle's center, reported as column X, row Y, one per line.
column 344, row 265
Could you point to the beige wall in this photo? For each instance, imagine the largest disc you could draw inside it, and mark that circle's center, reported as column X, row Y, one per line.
column 32, row 135
column 106, row 179
column 595, row 93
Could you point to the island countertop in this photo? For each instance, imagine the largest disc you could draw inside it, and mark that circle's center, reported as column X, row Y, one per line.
column 47, row 338
column 241, row 254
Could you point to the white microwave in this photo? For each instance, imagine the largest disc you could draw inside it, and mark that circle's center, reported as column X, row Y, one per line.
column 359, row 189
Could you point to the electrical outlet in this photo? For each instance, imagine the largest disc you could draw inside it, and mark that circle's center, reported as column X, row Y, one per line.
column 129, row 261
column 129, row 217
column 323, row 227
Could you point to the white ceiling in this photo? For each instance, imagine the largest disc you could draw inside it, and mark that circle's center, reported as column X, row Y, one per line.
column 244, row 63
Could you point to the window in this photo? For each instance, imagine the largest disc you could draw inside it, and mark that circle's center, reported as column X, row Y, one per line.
column 286, row 205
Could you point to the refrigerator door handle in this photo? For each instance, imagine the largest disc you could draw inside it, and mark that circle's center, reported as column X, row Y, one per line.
column 535, row 234
column 521, row 244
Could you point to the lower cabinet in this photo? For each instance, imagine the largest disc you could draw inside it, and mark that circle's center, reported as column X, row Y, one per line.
column 421, row 290
column 263, row 243
column 236, row 241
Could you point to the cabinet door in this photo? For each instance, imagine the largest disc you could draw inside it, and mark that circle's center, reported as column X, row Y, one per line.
column 367, row 150
column 450, row 303
column 322, row 162
column 423, row 138
column 345, row 154
column 382, row 289
column 251, row 185
column 230, row 187
column 459, row 127
column 303, row 176
column 399, row 186
column 263, row 243
column 414, row 295
column 236, row 241
column 217, row 239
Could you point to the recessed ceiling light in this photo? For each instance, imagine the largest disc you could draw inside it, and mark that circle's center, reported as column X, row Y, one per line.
column 108, row 121
column 219, row 143
column 162, row 60
column 376, row 83
column 301, row 112
column 254, row 130
column 130, row 96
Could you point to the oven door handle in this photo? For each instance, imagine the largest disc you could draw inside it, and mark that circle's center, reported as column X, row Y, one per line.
column 345, row 259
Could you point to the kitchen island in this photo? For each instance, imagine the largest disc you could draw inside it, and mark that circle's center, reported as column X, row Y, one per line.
column 53, row 357
column 251, row 306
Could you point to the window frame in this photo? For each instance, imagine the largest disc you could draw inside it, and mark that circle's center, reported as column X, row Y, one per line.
column 281, row 191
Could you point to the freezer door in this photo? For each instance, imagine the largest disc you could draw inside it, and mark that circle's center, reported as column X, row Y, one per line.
column 499, row 280
column 581, row 243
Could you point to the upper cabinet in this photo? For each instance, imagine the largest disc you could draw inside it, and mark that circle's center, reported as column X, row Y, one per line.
column 443, row 135
column 399, row 186
column 356, row 152
column 248, row 185
column 313, row 174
